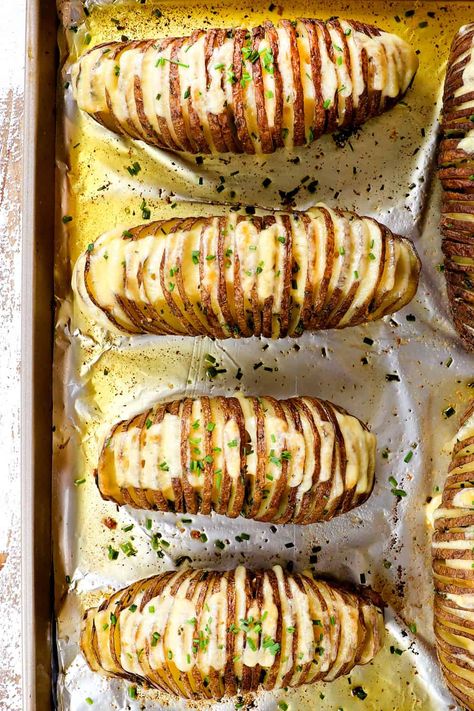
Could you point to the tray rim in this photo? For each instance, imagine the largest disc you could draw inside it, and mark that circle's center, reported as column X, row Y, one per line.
column 38, row 219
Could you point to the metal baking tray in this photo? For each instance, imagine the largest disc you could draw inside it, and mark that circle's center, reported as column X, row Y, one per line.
column 40, row 213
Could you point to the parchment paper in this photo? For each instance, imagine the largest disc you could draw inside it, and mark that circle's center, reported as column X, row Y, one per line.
column 385, row 170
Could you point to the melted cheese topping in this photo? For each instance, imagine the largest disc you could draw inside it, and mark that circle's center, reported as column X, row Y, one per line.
column 195, row 634
column 166, row 78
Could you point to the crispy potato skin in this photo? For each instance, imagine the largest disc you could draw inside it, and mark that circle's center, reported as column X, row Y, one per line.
column 245, row 91
column 238, row 276
column 203, row 634
column 456, row 172
column 300, row 460
column 453, row 562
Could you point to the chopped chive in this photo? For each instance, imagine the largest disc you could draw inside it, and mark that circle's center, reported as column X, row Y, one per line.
column 398, row 492
column 113, row 554
column 146, row 212
column 134, row 169
column 129, row 549
column 161, row 62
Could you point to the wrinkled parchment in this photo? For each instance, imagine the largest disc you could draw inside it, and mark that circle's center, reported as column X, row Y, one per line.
column 385, row 171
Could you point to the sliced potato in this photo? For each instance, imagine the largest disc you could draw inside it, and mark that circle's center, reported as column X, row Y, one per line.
column 245, row 90
column 456, row 172
column 206, row 634
column 453, row 568
column 299, row 460
column 238, row 276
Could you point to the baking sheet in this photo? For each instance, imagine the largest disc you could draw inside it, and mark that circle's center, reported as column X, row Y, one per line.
column 384, row 170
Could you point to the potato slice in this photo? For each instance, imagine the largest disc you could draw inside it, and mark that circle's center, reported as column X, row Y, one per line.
column 245, row 91
column 237, row 276
column 205, row 634
column 453, row 568
column 456, row 172
column 299, row 460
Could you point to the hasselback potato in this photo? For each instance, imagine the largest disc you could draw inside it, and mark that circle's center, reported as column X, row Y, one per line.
column 238, row 275
column 299, row 460
column 245, row 90
column 456, row 171
column 206, row 634
column 453, row 568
